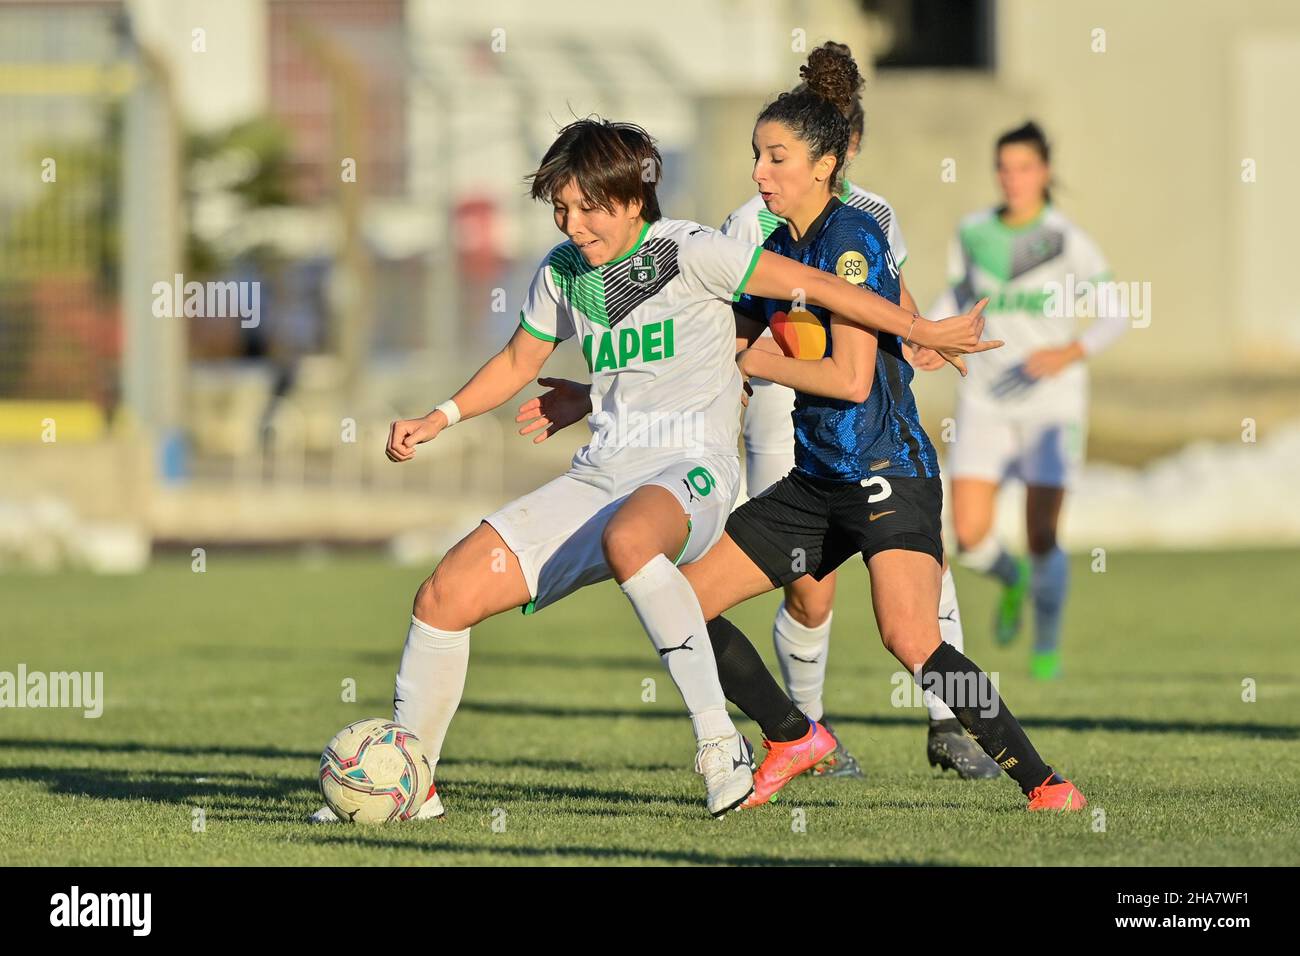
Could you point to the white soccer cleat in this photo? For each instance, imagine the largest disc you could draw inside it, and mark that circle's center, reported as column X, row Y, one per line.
column 727, row 765
column 431, row 808
column 324, row 815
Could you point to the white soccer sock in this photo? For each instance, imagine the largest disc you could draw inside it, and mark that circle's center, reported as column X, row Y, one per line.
column 430, row 681
column 802, row 652
column 1050, row 582
column 989, row 557
column 950, row 631
column 671, row 615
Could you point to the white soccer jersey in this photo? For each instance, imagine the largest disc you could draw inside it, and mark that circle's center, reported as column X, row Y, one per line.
column 658, row 334
column 753, row 222
column 1026, row 272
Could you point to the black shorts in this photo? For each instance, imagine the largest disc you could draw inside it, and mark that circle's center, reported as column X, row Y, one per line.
column 806, row 525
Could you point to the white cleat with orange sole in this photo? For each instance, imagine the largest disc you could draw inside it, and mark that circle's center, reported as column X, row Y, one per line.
column 727, row 765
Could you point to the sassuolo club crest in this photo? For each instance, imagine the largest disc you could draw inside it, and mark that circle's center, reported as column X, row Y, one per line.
column 643, row 270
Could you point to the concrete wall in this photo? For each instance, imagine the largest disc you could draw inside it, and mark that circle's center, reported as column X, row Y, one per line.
column 1150, row 136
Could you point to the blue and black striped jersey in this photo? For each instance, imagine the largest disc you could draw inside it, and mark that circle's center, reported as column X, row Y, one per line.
column 837, row 439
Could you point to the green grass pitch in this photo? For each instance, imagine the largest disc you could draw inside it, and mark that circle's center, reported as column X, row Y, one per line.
column 221, row 688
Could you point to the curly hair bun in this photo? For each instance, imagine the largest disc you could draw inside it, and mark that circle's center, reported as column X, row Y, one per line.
column 832, row 73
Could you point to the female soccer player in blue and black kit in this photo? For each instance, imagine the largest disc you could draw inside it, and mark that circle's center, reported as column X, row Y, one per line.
column 801, row 628
column 866, row 477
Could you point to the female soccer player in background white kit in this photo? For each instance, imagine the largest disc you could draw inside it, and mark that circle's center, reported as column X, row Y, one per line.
column 802, row 626
column 1022, row 411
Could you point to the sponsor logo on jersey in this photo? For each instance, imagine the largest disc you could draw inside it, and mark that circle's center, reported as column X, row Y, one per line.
column 618, row 348
column 852, row 267
column 800, row 334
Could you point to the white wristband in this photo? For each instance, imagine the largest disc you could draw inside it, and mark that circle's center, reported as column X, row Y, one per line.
column 451, row 410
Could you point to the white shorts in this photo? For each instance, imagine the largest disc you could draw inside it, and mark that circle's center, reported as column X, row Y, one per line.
column 769, row 436
column 991, row 447
column 556, row 531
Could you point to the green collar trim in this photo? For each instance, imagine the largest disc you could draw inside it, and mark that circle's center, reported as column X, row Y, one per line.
column 1025, row 227
column 635, row 246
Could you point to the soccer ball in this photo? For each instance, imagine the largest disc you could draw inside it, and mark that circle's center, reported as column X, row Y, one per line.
column 373, row 771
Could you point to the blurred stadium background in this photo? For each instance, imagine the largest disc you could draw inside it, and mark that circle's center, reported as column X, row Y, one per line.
column 362, row 163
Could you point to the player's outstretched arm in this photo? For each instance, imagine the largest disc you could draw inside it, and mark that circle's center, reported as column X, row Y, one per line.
column 927, row 360
column 502, row 376
column 567, row 402
column 776, row 277
column 847, row 373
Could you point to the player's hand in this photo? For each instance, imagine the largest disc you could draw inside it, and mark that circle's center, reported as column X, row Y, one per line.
column 745, row 362
column 922, row 359
column 566, row 402
column 955, row 337
column 1048, row 362
column 403, row 436
column 746, row 390
column 761, row 344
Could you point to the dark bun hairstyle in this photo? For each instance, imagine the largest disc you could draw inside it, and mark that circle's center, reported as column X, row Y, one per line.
column 825, row 110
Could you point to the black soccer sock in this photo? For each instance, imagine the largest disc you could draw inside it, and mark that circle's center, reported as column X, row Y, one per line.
column 750, row 686
column 967, row 690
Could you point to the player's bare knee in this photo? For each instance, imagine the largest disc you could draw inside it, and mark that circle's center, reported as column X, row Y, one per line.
column 810, row 609
column 439, row 605
column 908, row 647
column 425, row 604
column 914, row 655
column 624, row 549
column 969, row 533
column 893, row 639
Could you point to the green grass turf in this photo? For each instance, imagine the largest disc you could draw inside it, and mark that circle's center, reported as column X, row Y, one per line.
column 222, row 687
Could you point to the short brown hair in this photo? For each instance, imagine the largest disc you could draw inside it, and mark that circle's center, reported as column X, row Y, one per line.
column 610, row 162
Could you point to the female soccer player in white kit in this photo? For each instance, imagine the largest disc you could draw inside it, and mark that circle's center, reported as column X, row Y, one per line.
column 648, row 299
column 1022, row 412
column 802, row 626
